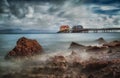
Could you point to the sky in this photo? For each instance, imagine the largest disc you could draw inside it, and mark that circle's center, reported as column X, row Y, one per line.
column 51, row 14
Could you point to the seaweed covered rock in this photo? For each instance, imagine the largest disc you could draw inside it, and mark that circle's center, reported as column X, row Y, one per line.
column 25, row 47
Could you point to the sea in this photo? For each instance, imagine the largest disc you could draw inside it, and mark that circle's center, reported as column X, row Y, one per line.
column 54, row 42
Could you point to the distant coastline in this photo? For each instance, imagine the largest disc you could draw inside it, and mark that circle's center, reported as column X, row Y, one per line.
column 20, row 31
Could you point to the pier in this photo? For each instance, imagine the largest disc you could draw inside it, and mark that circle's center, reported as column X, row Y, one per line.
column 80, row 29
column 96, row 30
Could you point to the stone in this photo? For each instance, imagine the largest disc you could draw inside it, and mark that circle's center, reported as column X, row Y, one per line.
column 98, row 49
column 24, row 48
column 73, row 53
column 114, row 46
column 101, row 40
column 57, row 59
column 59, row 62
column 77, row 46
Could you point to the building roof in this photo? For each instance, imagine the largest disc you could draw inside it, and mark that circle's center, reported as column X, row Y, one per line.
column 78, row 26
column 64, row 26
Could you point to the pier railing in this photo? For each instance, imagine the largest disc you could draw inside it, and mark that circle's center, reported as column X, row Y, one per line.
column 94, row 30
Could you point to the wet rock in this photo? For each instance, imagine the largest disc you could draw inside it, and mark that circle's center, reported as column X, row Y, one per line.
column 59, row 67
column 91, row 76
column 97, row 49
column 25, row 48
column 94, row 65
column 58, row 59
column 111, row 71
column 114, row 46
column 73, row 53
column 8, row 76
column 101, row 40
column 60, row 62
column 72, row 57
column 76, row 46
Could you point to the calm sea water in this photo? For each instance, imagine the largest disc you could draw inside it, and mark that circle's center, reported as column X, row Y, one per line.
column 54, row 42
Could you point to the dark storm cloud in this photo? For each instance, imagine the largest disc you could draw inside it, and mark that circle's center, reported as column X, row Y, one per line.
column 42, row 1
column 102, row 1
column 30, row 13
column 98, row 10
column 18, row 8
column 74, row 1
column 3, row 6
column 109, row 3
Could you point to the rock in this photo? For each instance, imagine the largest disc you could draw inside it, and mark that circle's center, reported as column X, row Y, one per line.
column 91, row 76
column 58, row 59
column 72, row 57
column 94, row 65
column 114, row 46
column 101, row 40
column 113, row 71
column 59, row 62
column 98, row 49
column 73, row 53
column 25, row 47
column 59, row 67
column 77, row 46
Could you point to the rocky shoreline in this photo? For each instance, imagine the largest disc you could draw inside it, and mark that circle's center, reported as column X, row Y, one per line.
column 82, row 62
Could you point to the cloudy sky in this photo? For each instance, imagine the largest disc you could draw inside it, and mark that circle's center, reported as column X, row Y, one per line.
column 50, row 14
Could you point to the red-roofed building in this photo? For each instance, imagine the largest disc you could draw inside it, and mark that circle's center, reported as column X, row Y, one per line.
column 64, row 28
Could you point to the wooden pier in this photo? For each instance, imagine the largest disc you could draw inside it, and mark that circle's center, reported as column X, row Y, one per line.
column 81, row 29
column 96, row 30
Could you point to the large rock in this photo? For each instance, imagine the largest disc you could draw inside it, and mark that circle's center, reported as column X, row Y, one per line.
column 101, row 40
column 25, row 47
column 114, row 46
column 75, row 46
column 98, row 49
column 93, row 65
column 81, row 48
